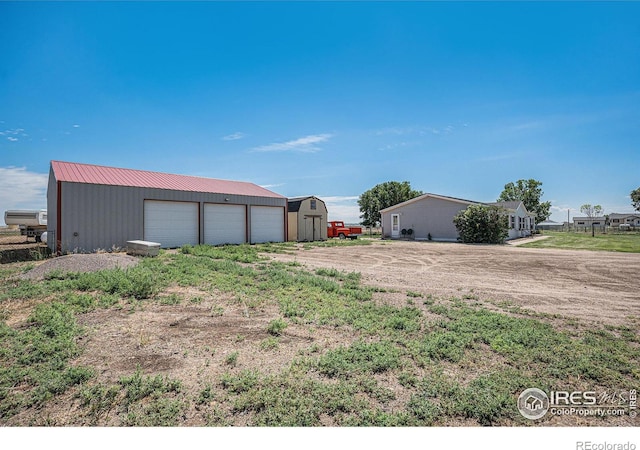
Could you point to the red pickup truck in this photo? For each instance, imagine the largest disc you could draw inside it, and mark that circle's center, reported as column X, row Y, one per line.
column 337, row 229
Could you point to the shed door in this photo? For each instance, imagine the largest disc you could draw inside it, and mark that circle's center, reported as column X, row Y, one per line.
column 224, row 224
column 267, row 224
column 172, row 224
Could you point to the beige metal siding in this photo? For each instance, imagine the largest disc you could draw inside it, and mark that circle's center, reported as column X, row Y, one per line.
column 311, row 223
column 292, row 233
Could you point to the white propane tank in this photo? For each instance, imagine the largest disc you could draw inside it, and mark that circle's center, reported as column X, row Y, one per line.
column 43, row 237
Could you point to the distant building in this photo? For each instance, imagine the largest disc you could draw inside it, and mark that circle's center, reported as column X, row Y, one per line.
column 586, row 223
column 550, row 225
column 630, row 220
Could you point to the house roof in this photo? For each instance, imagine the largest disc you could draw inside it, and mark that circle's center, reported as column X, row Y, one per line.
column 623, row 215
column 112, row 176
column 508, row 205
column 512, row 206
column 427, row 195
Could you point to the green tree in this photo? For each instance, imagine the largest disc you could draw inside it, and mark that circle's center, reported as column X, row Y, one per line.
column 635, row 199
column 528, row 192
column 482, row 224
column 382, row 196
column 591, row 210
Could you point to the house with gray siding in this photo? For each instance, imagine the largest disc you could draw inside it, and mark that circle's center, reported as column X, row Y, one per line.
column 626, row 220
column 430, row 216
column 101, row 208
column 307, row 219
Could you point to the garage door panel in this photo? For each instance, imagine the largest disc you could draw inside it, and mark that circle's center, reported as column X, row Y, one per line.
column 225, row 224
column 267, row 224
column 172, row 224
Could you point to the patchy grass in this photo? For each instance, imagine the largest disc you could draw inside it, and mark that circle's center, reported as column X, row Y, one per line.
column 610, row 242
column 432, row 361
column 333, row 242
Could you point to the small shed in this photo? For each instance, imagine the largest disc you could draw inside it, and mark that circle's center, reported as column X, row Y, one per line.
column 307, row 219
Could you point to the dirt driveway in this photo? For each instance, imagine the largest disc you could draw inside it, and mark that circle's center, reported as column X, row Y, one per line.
column 594, row 286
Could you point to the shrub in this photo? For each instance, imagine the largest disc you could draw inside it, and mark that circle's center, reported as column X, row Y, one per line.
column 482, row 224
column 276, row 327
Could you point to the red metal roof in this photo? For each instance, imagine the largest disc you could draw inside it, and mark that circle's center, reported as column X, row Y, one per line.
column 113, row 176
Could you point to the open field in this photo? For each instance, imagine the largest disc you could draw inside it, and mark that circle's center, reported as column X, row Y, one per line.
column 596, row 286
column 612, row 242
column 335, row 333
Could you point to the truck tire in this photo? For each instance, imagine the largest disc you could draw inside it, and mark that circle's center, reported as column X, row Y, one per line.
column 341, row 236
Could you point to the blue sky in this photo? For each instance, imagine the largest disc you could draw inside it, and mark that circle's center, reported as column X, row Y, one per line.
column 328, row 99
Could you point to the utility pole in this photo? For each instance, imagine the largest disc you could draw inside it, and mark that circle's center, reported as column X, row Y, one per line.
column 567, row 220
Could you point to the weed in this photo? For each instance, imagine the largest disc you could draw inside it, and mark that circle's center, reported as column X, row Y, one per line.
column 100, row 400
column 270, row 343
column 276, row 327
column 360, row 358
column 138, row 387
column 206, row 395
column 36, row 358
column 231, row 359
column 216, row 311
column 159, row 412
column 171, row 299
column 242, row 382
column 414, row 294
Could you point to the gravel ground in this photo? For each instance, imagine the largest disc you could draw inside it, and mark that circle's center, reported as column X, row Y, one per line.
column 590, row 285
column 82, row 263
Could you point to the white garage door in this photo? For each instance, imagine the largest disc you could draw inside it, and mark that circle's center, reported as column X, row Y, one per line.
column 267, row 224
column 172, row 224
column 225, row 224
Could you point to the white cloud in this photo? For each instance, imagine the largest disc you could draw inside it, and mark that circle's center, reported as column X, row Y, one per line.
column 13, row 133
column 22, row 189
column 269, row 186
column 76, row 126
column 340, row 199
column 417, row 130
column 234, row 136
column 305, row 144
column 343, row 208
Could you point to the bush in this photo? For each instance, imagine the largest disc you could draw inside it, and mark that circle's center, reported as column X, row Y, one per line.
column 482, row 224
column 276, row 327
